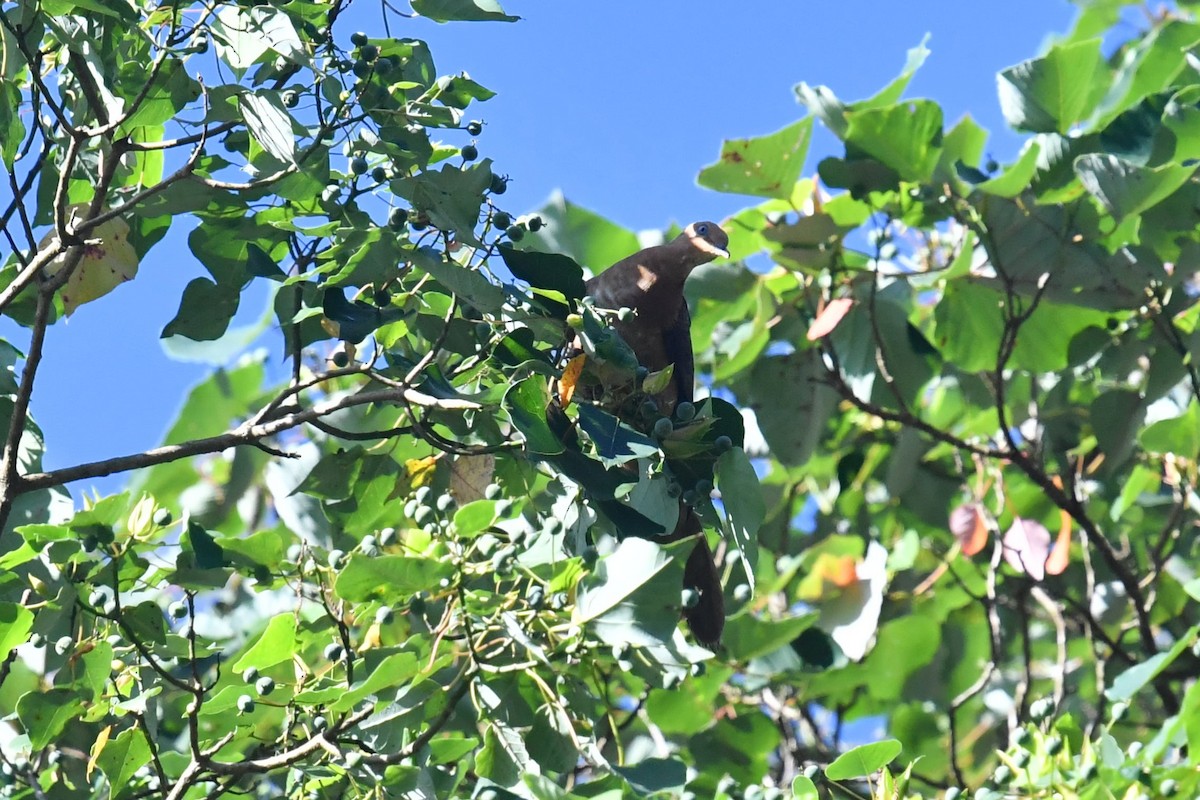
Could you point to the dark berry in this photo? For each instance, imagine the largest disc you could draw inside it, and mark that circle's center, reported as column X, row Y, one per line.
column 501, row 220
column 470, row 152
column 499, row 184
column 535, row 224
column 379, row 174
column 358, row 39
column 515, row 232
column 475, row 127
column 397, row 218
column 369, row 52
column 359, row 165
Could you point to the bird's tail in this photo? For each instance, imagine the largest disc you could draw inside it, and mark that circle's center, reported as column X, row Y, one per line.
column 705, row 619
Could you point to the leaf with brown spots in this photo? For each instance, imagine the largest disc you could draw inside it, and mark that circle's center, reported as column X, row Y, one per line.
column 108, row 261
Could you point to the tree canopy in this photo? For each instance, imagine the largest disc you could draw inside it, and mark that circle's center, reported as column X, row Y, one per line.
column 946, row 455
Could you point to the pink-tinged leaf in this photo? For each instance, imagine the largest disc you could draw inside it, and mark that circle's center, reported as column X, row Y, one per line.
column 829, row 318
column 969, row 526
column 1060, row 556
column 1026, row 546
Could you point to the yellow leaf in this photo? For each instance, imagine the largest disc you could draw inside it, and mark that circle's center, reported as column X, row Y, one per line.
column 108, row 261
column 570, row 378
column 420, row 470
column 98, row 748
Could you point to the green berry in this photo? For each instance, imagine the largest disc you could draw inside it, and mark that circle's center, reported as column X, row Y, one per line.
column 470, row 152
column 245, row 704
column 358, row 39
column 685, row 411
column 501, row 219
column 359, row 165
column 663, row 427
column 444, row 502
column 265, row 685
column 475, row 127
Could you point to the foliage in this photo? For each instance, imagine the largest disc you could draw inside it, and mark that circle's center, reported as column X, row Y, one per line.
column 969, row 391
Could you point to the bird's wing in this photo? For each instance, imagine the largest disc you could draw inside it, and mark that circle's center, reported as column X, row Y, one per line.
column 677, row 341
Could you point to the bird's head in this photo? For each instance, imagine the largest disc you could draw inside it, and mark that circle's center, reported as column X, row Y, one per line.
column 708, row 238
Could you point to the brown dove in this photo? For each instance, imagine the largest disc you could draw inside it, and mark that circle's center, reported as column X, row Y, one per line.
column 650, row 282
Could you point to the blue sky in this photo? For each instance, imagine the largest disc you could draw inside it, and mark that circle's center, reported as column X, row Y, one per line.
column 616, row 104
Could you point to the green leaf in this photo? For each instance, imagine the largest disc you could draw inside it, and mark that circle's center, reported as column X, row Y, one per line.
column 552, row 271
column 906, row 137
column 1051, row 93
column 276, row 644
column 792, row 403
column 616, row 443
column 747, row 636
column 45, row 714
column 15, row 623
column 472, row 10
column 745, row 509
column 123, row 756
column 1116, row 417
column 269, row 123
column 1176, row 435
column 766, row 166
column 740, row 746
column 474, row 517
column 451, row 197
column 863, row 760
column 1125, row 189
column 804, row 789
column 652, row 775
column 207, row 554
column 205, row 311
column 633, row 594
column 469, row 284
column 527, row 403
column 1131, row 681
column 367, row 577
column 1016, row 177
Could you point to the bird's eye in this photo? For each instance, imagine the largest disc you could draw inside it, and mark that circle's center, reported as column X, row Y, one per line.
column 702, row 230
